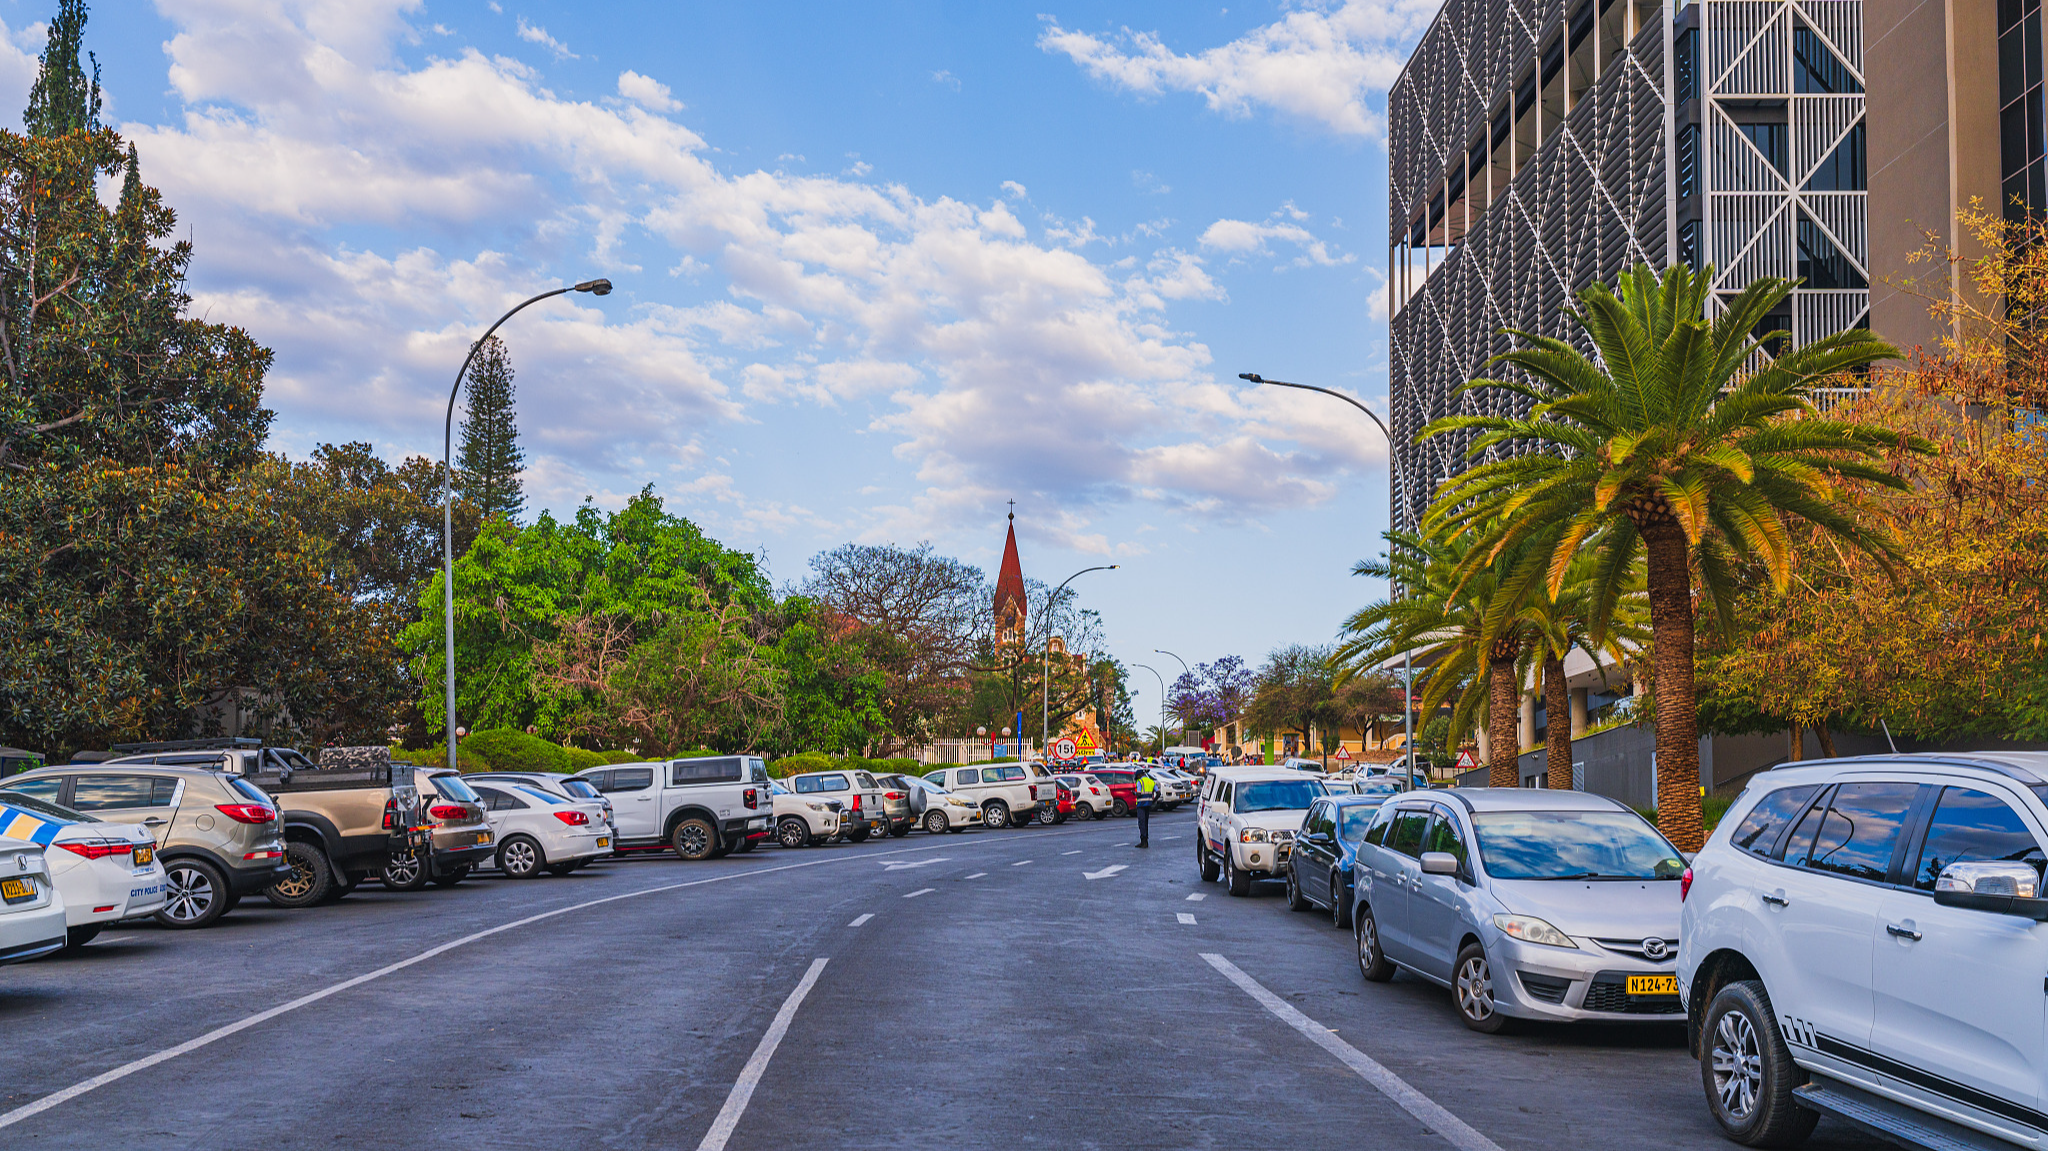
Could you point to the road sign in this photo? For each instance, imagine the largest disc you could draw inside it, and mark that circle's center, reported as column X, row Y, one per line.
column 1466, row 759
column 1343, row 754
column 1063, row 749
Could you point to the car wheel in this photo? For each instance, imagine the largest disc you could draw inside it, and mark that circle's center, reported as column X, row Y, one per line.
column 995, row 814
column 1046, row 815
column 1102, row 813
column 311, row 877
column 793, row 832
column 1237, row 879
column 1084, row 812
column 561, row 869
column 1472, row 988
column 1118, row 808
column 746, row 845
column 1748, row 1072
column 899, row 831
column 404, row 872
column 859, row 835
column 1340, row 902
column 196, row 894
column 451, row 878
column 1205, row 861
column 935, row 822
column 521, row 858
column 694, row 839
column 1372, row 963
column 1296, row 901
column 79, row 937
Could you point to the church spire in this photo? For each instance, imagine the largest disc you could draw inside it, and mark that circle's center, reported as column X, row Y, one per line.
column 1009, row 605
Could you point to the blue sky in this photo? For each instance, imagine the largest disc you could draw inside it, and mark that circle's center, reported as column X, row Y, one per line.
column 881, row 268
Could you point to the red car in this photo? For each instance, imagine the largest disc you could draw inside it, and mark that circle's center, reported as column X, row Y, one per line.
column 1123, row 788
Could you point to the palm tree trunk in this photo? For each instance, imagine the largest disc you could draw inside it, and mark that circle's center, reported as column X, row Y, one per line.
column 1557, row 741
column 1503, row 721
column 1678, row 723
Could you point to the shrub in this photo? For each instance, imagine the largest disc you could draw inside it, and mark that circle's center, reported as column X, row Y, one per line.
column 510, row 750
column 437, row 757
column 802, row 762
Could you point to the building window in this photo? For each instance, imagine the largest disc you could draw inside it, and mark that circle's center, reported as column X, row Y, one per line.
column 1685, row 66
column 2020, row 113
column 1767, row 132
column 1816, row 69
column 1689, row 244
column 1845, row 169
column 1688, row 161
column 1821, row 264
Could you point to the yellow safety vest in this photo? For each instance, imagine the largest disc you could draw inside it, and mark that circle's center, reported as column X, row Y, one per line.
column 1147, row 785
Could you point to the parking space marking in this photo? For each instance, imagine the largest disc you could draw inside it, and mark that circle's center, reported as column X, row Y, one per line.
column 1433, row 1115
column 1185, row 917
column 743, row 1088
column 906, row 895
column 1191, row 895
column 975, row 876
column 1013, row 863
column 861, row 919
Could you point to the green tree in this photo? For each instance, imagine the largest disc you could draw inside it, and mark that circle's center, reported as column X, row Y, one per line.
column 1295, row 686
column 1555, row 626
column 1681, row 446
column 63, row 99
column 489, row 459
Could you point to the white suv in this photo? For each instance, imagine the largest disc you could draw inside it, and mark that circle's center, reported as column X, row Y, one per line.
column 1865, row 938
column 1009, row 794
column 1246, row 823
column 703, row 807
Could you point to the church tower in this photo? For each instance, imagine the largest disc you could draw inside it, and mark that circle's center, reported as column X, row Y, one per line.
column 1009, row 606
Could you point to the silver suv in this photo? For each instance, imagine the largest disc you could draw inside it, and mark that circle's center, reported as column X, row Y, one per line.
column 220, row 837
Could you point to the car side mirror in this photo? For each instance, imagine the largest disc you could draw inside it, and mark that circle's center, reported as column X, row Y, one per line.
column 1439, row 864
column 1992, row 886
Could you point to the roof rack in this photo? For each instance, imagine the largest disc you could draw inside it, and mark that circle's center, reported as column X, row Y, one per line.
column 205, row 744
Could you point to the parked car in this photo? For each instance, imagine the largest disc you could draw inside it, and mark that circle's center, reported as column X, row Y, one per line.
column 104, row 871
column 538, row 830
column 1008, row 794
column 561, row 783
column 1864, row 937
column 1175, row 788
column 944, row 811
column 461, row 838
column 803, row 821
column 862, row 811
column 896, row 805
column 1524, row 902
column 1319, row 868
column 31, row 908
column 218, row 837
column 1091, row 796
column 1122, row 783
column 899, row 782
column 702, row 807
column 1246, row 824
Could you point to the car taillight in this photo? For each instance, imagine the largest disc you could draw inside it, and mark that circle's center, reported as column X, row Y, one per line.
column 448, row 812
column 390, row 815
column 895, row 795
column 856, row 802
column 97, row 849
column 572, row 817
column 753, row 798
column 248, row 813
column 1684, row 885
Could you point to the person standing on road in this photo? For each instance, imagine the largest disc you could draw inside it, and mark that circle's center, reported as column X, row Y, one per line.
column 1147, row 789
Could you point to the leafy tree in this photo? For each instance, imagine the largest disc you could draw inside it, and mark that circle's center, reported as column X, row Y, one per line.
column 489, row 460
column 919, row 617
column 384, row 523
column 837, row 692
column 1295, row 687
column 1677, row 446
column 63, row 100
column 1555, row 626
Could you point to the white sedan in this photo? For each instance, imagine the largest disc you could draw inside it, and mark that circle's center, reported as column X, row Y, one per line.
column 31, row 908
column 943, row 811
column 536, row 829
column 105, row 871
column 1092, row 800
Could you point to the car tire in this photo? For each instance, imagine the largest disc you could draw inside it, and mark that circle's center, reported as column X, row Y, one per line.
column 859, row 835
column 995, row 814
column 79, row 937
column 1084, row 812
column 1472, row 991
column 1372, row 961
column 451, row 878
column 1205, row 861
column 899, row 831
column 561, row 869
column 311, row 878
column 344, row 883
column 404, row 872
column 196, row 894
column 792, row 832
column 747, row 844
column 1102, row 813
column 694, row 839
column 1297, row 900
column 1236, row 879
column 1748, row 1072
column 1047, row 815
column 1340, row 903
column 935, row 822
column 521, row 857
column 1118, row 808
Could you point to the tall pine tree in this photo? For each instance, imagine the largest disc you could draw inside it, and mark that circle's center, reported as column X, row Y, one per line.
column 490, row 458
column 63, row 99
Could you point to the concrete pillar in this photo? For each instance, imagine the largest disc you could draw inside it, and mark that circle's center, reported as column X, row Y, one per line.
column 1485, row 746
column 1578, row 712
column 1525, row 731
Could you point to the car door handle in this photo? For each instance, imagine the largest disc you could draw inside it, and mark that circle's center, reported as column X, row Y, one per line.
column 1778, row 901
column 153, row 821
column 1902, row 933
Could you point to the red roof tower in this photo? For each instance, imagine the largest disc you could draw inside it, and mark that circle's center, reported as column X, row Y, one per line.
column 1009, row 605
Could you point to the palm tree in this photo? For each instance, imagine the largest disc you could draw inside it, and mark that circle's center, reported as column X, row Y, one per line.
column 1677, row 446
column 1554, row 626
column 1440, row 616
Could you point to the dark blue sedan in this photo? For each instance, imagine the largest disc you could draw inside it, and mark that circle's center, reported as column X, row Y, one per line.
column 1319, row 870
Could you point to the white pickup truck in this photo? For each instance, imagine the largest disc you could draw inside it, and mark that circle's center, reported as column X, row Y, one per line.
column 703, row 807
column 1009, row 794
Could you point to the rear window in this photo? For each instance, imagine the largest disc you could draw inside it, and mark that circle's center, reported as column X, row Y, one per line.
column 102, row 793
column 247, row 791
column 1857, row 830
column 1758, row 832
column 454, row 788
column 579, row 788
column 866, row 781
column 832, row 783
column 631, row 780
column 707, row 771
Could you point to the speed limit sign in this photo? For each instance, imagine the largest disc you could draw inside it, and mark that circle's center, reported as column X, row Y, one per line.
column 1063, row 748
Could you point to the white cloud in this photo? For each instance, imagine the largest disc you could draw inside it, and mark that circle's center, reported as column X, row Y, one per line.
column 1242, row 237
column 647, row 92
column 1320, row 63
column 1014, row 191
column 946, row 78
column 534, row 33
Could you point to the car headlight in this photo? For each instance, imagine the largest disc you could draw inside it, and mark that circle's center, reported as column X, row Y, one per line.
column 957, row 802
column 1252, row 836
column 1533, row 930
column 815, row 807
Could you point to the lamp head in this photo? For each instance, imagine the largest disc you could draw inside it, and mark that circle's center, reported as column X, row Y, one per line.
column 597, row 287
column 1254, row 377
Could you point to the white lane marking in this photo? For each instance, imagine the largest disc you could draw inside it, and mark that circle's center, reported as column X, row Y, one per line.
column 1191, row 895
column 1112, row 870
column 1432, row 1114
column 861, row 919
column 976, row 875
column 906, row 895
column 743, row 1088
column 118, row 937
column 1013, row 863
column 1075, row 852
column 1186, row 917
column 46, row 1103
column 458, row 744
column 1125, row 844
column 887, row 865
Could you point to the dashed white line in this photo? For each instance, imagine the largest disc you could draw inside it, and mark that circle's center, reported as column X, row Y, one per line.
column 1075, row 852
column 1162, row 837
column 1125, row 844
column 1196, row 896
column 1013, row 863
column 977, row 875
column 906, row 895
column 1433, row 1115
column 750, row 1076
column 1185, row 917
column 857, row 920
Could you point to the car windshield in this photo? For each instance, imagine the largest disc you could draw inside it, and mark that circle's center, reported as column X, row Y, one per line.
column 1375, row 787
column 1276, row 795
column 1355, row 819
column 777, row 790
column 42, row 807
column 1574, row 846
column 455, row 788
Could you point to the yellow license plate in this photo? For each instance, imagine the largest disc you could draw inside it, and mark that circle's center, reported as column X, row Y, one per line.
column 1653, row 985
column 16, row 889
column 604, row 841
column 144, row 855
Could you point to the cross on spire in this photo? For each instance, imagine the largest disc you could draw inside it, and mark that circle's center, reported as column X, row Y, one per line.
column 1013, row 509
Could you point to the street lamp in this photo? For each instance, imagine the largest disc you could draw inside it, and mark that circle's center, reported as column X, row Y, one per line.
column 1045, row 672
column 1393, row 486
column 1162, row 705
column 1187, row 671
column 599, row 287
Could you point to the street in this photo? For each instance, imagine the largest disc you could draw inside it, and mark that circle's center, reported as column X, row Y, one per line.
column 976, row 991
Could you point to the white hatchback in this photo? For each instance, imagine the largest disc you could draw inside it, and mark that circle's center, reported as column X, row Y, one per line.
column 537, row 829
column 31, row 908
column 105, row 871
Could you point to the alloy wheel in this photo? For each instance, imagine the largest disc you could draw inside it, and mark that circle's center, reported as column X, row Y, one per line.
column 518, row 857
column 1738, row 1065
column 794, row 834
column 935, row 822
column 1368, row 944
column 1475, row 989
column 297, row 884
column 402, row 870
column 696, row 841
column 191, row 894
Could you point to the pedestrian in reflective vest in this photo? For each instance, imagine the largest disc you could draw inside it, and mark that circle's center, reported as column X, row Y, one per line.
column 1147, row 789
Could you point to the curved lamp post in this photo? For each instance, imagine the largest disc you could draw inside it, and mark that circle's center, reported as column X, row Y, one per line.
column 1045, row 673
column 599, row 287
column 1393, row 470
column 1189, row 672
column 1162, row 705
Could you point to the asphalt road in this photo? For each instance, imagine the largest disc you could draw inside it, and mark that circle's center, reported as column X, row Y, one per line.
column 993, row 995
